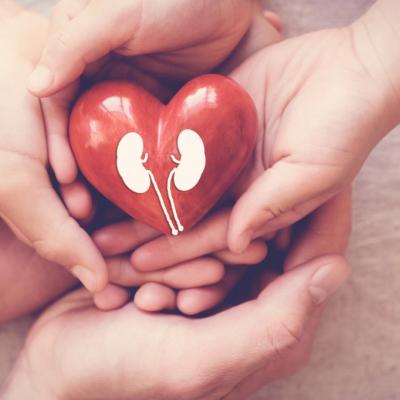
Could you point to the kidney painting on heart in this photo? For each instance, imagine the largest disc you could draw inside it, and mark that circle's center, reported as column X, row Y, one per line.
column 165, row 165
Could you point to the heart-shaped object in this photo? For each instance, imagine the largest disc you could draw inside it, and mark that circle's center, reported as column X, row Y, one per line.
column 165, row 165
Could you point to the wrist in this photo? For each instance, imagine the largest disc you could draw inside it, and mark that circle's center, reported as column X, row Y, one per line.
column 376, row 40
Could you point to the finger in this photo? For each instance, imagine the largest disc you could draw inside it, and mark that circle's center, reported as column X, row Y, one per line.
column 197, row 300
column 327, row 231
column 275, row 20
column 207, row 237
column 254, row 333
column 123, row 237
column 111, row 298
column 254, row 254
column 154, row 297
column 126, row 69
column 283, row 238
column 56, row 114
column 195, row 273
column 78, row 37
column 277, row 199
column 78, row 200
column 9, row 9
column 263, row 32
column 35, row 212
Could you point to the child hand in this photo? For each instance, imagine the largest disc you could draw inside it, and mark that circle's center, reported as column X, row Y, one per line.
column 28, row 202
column 196, row 264
column 327, row 233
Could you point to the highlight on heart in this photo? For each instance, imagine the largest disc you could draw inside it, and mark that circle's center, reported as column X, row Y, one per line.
column 166, row 165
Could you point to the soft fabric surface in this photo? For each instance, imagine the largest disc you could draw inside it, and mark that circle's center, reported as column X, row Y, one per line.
column 358, row 347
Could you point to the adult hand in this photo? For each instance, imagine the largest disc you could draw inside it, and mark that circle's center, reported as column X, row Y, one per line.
column 176, row 39
column 28, row 202
column 323, row 102
column 27, row 281
column 168, row 356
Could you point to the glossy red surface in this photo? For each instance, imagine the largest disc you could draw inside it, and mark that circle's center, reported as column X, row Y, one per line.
column 217, row 108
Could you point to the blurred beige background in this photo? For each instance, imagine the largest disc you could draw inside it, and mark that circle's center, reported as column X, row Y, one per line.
column 357, row 352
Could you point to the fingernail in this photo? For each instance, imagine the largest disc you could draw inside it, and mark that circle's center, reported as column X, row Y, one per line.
column 40, row 79
column 86, row 276
column 325, row 282
column 243, row 241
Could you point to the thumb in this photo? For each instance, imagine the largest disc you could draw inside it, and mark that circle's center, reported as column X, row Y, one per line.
column 78, row 35
column 38, row 217
column 281, row 196
column 254, row 333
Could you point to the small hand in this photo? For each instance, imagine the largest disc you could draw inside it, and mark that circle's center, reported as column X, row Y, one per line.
column 194, row 276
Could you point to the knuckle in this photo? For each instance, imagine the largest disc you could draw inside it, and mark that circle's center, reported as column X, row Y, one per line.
column 62, row 40
column 285, row 335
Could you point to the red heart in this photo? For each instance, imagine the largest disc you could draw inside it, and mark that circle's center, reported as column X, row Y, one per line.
column 219, row 120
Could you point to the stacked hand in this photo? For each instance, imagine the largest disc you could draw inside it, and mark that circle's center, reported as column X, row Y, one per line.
column 323, row 102
column 132, row 354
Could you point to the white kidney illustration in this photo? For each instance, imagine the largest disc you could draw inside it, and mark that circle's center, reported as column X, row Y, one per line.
column 189, row 168
column 186, row 175
column 193, row 160
column 134, row 174
column 130, row 163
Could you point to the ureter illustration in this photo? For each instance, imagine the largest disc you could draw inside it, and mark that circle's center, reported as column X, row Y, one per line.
column 174, row 231
column 171, row 199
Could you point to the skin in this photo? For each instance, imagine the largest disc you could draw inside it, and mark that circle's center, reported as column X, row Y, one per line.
column 26, row 155
column 33, row 245
column 350, row 72
column 276, row 324
column 324, row 101
column 317, row 129
column 28, row 203
column 23, row 271
column 295, row 290
column 160, row 61
column 168, row 62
